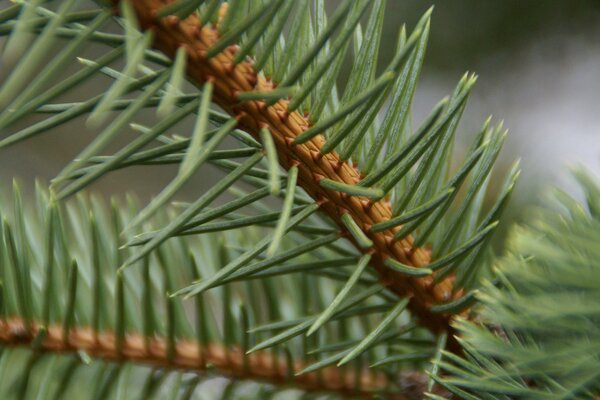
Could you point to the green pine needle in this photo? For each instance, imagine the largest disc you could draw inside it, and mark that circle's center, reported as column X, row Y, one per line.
column 357, row 233
column 119, row 87
column 238, row 30
column 269, row 145
column 376, row 333
column 191, row 211
column 330, row 310
column 407, row 269
column 323, row 125
column 167, row 103
column 415, row 213
column 285, row 211
column 352, row 190
column 190, row 164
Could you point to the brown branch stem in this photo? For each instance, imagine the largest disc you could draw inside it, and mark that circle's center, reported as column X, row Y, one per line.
column 229, row 80
column 190, row 356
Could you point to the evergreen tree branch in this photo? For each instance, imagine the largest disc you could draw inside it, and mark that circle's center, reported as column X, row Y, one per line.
column 191, row 356
column 537, row 334
column 420, row 256
column 230, row 79
column 68, row 296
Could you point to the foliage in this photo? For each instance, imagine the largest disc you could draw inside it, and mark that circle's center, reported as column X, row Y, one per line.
column 60, row 277
column 339, row 272
column 539, row 332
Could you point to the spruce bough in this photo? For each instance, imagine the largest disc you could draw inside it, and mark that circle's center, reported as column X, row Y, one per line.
column 231, row 79
column 354, row 282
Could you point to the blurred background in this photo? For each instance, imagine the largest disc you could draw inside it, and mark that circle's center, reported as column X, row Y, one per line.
column 539, row 70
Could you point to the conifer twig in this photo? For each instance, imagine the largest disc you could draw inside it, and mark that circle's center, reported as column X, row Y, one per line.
column 230, row 79
column 259, row 366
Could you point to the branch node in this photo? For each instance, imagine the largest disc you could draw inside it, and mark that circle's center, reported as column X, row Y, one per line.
column 171, row 21
column 337, row 165
column 389, row 241
column 367, row 204
column 318, row 177
column 251, row 78
column 228, row 67
column 262, row 106
column 196, row 32
column 283, row 115
column 316, row 155
column 290, row 142
column 322, row 200
column 240, row 115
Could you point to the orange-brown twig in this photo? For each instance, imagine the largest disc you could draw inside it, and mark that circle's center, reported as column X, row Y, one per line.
column 229, row 79
column 190, row 356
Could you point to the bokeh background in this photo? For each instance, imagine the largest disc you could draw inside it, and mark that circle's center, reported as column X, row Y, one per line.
column 539, row 70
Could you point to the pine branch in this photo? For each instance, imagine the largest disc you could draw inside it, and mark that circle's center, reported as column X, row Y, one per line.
column 66, row 296
column 366, row 321
column 190, row 356
column 537, row 335
column 62, row 292
column 230, row 79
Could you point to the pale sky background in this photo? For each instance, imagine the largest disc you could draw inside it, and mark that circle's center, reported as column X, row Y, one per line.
column 549, row 101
